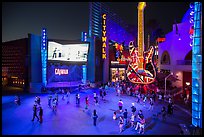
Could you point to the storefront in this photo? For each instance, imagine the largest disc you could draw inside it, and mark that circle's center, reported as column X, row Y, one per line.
column 119, row 54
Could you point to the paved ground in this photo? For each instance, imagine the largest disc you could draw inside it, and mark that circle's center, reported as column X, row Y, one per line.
column 72, row 120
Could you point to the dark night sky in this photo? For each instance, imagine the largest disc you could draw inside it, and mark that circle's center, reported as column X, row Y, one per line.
column 66, row 20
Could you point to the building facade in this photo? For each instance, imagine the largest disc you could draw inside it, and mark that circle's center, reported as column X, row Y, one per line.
column 175, row 53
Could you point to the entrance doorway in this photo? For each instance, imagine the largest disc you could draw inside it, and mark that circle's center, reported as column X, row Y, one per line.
column 117, row 74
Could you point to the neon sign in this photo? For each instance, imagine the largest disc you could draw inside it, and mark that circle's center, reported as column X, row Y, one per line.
column 104, row 38
column 61, row 71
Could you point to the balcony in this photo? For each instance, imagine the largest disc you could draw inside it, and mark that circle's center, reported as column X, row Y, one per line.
column 184, row 62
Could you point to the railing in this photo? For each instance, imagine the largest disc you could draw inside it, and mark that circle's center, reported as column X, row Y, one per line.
column 184, row 62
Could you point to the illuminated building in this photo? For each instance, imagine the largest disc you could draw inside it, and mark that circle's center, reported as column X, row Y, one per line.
column 23, row 65
column 15, row 63
column 175, row 53
column 114, row 30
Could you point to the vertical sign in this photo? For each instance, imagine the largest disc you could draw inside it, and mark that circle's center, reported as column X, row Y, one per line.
column 83, row 36
column 44, row 56
column 104, row 38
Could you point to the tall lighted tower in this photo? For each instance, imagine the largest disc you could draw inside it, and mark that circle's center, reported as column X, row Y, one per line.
column 197, row 66
column 44, row 56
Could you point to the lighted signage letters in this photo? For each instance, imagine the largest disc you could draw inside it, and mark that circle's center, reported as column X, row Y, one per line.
column 61, row 71
column 104, row 38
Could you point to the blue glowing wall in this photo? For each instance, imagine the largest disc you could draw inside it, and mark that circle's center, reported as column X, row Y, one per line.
column 197, row 67
column 35, row 67
column 75, row 73
column 84, row 73
column 44, row 56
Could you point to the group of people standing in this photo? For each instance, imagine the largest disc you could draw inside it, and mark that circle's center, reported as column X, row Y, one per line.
column 124, row 120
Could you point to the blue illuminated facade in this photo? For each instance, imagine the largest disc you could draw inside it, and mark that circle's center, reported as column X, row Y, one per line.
column 84, row 70
column 116, row 30
column 197, row 67
column 44, row 56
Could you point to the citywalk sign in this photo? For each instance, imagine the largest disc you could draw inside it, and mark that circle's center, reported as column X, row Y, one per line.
column 104, row 37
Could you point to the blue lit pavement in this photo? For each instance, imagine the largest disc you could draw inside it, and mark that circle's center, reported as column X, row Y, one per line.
column 73, row 120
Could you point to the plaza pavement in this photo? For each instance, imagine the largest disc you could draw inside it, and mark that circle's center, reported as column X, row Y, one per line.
column 73, row 120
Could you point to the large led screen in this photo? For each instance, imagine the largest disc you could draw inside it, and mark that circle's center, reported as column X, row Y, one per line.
column 64, row 73
column 68, row 52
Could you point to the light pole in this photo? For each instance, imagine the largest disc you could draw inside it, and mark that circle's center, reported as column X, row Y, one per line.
column 166, row 79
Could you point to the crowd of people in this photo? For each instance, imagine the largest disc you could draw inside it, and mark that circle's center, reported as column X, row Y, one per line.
column 125, row 118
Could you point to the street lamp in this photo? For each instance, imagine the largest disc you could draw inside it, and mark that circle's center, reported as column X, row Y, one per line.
column 166, row 79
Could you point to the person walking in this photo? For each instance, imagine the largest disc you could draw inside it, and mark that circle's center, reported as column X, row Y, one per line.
column 151, row 104
column 125, row 114
column 101, row 92
column 17, row 100
column 63, row 94
column 95, row 117
column 169, row 109
column 49, row 100
column 114, row 115
column 104, row 94
column 87, row 102
column 56, row 96
column 77, row 98
column 133, row 108
column 121, row 124
column 140, row 114
column 120, row 105
column 54, row 105
column 41, row 114
column 163, row 112
column 142, row 125
column 68, row 96
column 132, row 118
column 35, row 112
column 144, row 100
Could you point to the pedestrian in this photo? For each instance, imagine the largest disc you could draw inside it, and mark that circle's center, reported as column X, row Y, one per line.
column 114, row 115
column 17, row 100
column 151, row 104
column 87, row 102
column 169, row 109
column 125, row 114
column 68, row 96
column 104, row 94
column 54, row 104
column 38, row 101
column 120, row 105
column 140, row 114
column 41, row 114
column 121, row 124
column 138, row 98
column 144, row 100
column 132, row 118
column 163, row 112
column 78, row 98
column 160, row 98
column 133, row 108
column 56, row 96
column 101, row 92
column 142, row 124
column 96, row 103
column 95, row 117
column 77, row 101
column 172, row 107
column 94, row 94
column 35, row 112
column 62, row 94
column 49, row 100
